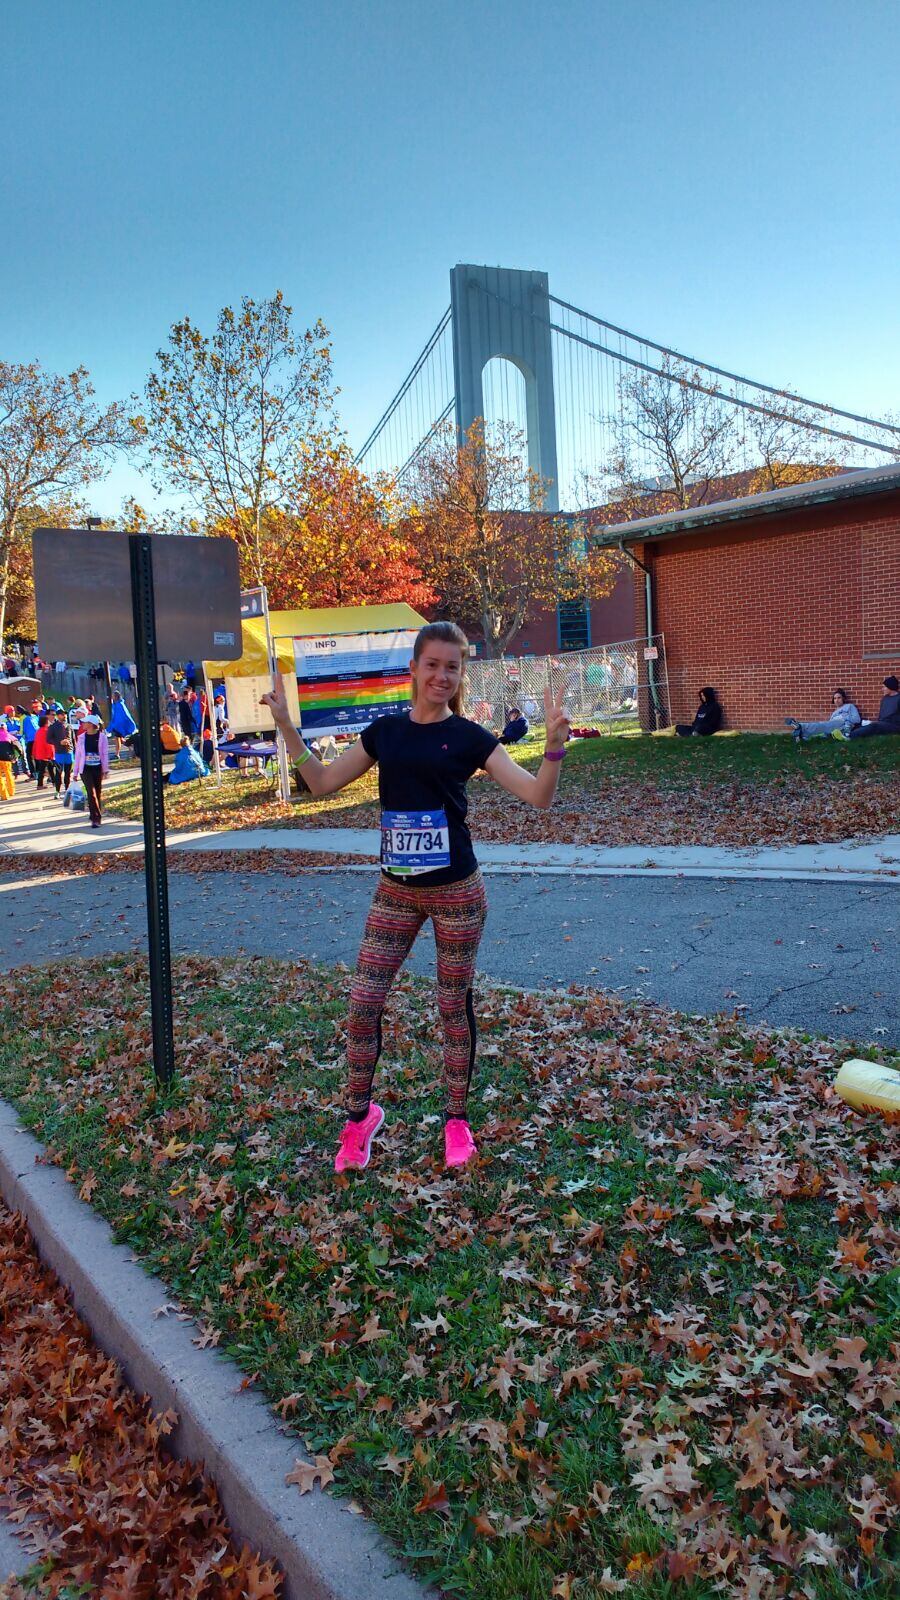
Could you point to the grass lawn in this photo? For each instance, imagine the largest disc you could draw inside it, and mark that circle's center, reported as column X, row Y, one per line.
column 648, row 1344
column 753, row 789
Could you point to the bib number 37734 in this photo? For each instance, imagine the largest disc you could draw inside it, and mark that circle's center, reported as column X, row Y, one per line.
column 414, row 841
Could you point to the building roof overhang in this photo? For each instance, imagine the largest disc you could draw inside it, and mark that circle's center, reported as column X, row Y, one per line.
column 796, row 497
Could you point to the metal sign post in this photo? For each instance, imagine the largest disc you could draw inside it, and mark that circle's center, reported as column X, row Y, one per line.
column 155, row 872
column 106, row 594
column 284, row 771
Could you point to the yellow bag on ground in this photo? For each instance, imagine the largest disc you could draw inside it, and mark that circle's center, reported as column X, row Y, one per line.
column 868, row 1086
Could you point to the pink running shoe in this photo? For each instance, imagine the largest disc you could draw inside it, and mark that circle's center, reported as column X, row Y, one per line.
column 356, row 1140
column 459, row 1146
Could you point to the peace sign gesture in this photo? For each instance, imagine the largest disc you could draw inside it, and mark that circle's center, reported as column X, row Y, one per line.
column 555, row 719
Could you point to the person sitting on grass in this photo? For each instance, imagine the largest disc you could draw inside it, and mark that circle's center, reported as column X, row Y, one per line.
column 708, row 717
column 515, row 727
column 888, row 719
column 844, row 716
column 169, row 739
column 189, row 764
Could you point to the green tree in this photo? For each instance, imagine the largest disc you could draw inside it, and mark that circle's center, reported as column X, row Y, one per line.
column 227, row 416
column 54, row 440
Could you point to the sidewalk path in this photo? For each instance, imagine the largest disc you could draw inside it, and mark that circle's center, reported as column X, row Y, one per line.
column 36, row 823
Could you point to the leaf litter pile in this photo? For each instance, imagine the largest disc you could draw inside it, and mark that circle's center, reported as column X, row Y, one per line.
column 198, row 863
column 755, row 790
column 648, row 1345
column 109, row 1513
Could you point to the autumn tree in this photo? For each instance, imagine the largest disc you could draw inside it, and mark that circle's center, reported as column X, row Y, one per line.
column 54, row 440
column 21, row 619
column 227, row 415
column 338, row 544
column 484, row 540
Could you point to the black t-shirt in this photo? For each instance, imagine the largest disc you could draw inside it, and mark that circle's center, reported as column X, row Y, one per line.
column 424, row 766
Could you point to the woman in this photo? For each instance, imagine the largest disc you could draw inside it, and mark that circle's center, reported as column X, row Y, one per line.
column 707, row 718
column 428, row 867
column 844, row 716
column 91, row 763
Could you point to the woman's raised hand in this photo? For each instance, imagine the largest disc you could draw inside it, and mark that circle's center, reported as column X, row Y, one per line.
column 555, row 719
column 276, row 700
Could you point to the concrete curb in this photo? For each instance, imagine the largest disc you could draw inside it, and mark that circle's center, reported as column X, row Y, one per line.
column 324, row 1553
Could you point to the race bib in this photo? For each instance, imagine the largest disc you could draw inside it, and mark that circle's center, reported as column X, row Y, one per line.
column 414, row 841
column 91, row 760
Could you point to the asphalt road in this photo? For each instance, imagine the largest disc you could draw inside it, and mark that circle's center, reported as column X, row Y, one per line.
column 820, row 956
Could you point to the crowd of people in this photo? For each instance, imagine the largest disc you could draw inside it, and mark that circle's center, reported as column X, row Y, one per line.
column 63, row 751
column 66, row 751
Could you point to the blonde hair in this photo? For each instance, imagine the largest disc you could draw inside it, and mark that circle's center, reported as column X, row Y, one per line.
column 444, row 633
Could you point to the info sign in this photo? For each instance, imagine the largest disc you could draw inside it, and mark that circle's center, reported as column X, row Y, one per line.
column 346, row 680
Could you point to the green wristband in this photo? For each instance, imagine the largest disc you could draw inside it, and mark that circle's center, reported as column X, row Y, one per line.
column 299, row 761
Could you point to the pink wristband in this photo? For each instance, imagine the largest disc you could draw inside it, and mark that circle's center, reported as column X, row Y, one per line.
column 554, row 755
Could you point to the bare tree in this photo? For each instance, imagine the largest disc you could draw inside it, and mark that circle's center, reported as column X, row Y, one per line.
column 679, row 443
column 227, row 415
column 670, row 427
column 54, row 440
column 789, row 447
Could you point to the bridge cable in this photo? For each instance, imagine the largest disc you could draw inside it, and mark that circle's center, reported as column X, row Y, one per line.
column 721, row 372
column 405, row 385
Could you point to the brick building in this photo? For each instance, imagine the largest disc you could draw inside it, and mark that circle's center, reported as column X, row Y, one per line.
column 775, row 599
column 578, row 627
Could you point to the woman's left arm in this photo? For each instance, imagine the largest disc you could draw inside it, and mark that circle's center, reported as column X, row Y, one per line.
column 536, row 789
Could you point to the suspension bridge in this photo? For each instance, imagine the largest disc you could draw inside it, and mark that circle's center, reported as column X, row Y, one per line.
column 578, row 388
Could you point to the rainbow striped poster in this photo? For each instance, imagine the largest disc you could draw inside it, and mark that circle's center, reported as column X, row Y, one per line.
column 346, row 680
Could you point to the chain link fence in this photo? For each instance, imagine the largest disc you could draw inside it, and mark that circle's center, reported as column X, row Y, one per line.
column 612, row 688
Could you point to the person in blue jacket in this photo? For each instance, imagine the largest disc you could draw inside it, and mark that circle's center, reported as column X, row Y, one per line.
column 29, row 729
column 515, row 727
column 189, row 764
column 121, row 725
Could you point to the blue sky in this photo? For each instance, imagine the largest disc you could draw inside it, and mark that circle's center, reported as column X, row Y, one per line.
column 715, row 175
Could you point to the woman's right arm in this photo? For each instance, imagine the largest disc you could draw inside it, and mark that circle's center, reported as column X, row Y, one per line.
column 320, row 779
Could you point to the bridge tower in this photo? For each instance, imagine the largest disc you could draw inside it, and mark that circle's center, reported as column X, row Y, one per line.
column 498, row 311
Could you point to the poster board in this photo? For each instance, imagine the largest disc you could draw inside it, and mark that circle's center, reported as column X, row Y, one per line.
column 346, row 680
column 82, row 586
column 242, row 697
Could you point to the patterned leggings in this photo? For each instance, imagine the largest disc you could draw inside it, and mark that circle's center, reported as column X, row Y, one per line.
column 396, row 914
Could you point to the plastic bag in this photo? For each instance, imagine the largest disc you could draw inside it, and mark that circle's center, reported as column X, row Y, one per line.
column 78, row 793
